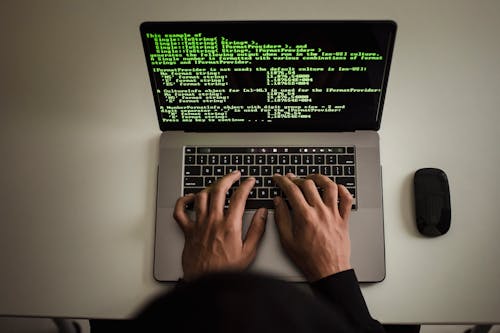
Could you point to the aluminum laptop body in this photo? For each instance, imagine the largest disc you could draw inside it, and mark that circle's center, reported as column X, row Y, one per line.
column 257, row 84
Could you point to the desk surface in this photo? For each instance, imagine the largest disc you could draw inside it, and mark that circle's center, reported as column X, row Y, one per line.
column 79, row 146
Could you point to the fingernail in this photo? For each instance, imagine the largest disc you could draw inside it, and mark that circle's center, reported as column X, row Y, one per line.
column 235, row 171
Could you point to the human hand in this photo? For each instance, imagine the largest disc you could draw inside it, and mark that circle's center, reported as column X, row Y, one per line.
column 213, row 241
column 315, row 234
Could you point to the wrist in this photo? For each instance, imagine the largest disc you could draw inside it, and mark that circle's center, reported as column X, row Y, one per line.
column 321, row 273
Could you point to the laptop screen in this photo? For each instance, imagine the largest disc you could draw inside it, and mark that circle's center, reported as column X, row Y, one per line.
column 269, row 75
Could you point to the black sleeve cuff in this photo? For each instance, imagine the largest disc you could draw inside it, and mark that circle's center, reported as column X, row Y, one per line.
column 343, row 292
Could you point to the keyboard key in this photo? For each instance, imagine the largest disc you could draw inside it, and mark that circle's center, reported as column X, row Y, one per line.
column 230, row 168
column 346, row 159
column 259, row 182
column 260, row 159
column 243, row 170
column 219, row 170
column 189, row 150
column 254, row 170
column 209, row 181
column 313, row 169
column 213, row 159
column 307, row 159
column 290, row 169
column 349, row 170
column 350, row 150
column 268, row 182
column 237, row 159
column 301, row 170
column 346, row 181
column 207, row 170
column 278, row 169
column 188, row 190
column 192, row 170
column 319, row 159
column 296, row 159
column 202, row 159
column 331, row 159
column 248, row 159
column 353, row 191
column 325, row 170
column 189, row 159
column 225, row 159
column 263, row 193
column 266, row 170
column 193, row 181
column 272, row 159
column 337, row 170
column 256, row 204
column 274, row 192
column 284, row 159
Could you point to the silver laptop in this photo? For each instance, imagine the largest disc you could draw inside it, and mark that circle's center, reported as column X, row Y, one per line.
column 269, row 97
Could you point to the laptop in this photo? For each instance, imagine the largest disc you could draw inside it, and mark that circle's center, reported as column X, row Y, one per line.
column 265, row 97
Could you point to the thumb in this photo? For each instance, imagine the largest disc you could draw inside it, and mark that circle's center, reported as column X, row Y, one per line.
column 283, row 220
column 254, row 234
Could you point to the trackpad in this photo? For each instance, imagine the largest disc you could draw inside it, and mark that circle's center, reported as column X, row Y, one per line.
column 271, row 258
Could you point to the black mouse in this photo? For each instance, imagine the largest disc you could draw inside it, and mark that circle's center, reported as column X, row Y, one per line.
column 432, row 202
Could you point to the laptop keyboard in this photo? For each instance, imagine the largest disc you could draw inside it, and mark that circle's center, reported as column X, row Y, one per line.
column 205, row 165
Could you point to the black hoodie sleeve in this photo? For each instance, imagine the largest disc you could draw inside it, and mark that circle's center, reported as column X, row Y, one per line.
column 342, row 291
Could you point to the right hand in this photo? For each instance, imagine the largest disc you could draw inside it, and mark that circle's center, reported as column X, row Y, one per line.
column 315, row 234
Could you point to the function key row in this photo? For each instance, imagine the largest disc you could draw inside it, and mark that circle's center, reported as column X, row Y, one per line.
column 267, row 150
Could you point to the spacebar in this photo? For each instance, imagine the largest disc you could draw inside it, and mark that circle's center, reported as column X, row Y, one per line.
column 256, row 204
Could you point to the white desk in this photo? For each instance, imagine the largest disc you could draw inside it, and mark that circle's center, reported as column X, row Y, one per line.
column 79, row 145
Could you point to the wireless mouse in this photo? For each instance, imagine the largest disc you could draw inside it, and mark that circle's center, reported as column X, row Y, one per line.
column 432, row 202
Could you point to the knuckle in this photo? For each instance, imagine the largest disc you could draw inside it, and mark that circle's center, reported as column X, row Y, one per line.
column 177, row 215
column 309, row 183
column 309, row 216
column 331, row 186
column 201, row 195
column 211, row 219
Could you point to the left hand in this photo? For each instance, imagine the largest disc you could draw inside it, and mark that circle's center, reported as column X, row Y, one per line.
column 213, row 241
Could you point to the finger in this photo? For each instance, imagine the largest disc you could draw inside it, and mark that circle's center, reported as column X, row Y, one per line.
column 345, row 204
column 329, row 189
column 292, row 191
column 219, row 190
column 239, row 198
column 201, row 204
column 310, row 191
column 283, row 220
column 254, row 234
column 180, row 214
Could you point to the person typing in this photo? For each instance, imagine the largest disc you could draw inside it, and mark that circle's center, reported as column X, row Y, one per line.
column 217, row 293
